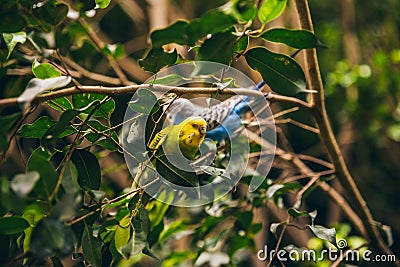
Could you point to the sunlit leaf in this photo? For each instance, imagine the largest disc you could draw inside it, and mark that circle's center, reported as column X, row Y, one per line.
column 328, row 234
column 12, row 39
column 102, row 3
column 300, row 39
column 271, row 9
column 36, row 129
column 36, row 86
column 44, row 70
column 84, row 100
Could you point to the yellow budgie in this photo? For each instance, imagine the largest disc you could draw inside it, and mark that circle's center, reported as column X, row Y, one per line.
column 187, row 136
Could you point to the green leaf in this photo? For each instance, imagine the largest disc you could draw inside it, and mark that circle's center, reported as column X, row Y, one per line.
column 156, row 59
column 91, row 247
column 174, row 33
column 328, row 234
column 114, row 50
column 212, row 22
column 300, row 39
column 145, row 102
column 219, row 48
column 22, row 184
column 48, row 175
column 83, row 100
column 60, row 104
column 51, row 13
column 172, row 79
column 61, row 128
column 11, row 20
column 271, row 9
column 102, row 3
column 273, row 189
column 12, row 225
column 135, row 245
column 242, row 10
column 56, row 262
column 36, row 86
column 36, row 129
column 122, row 234
column 242, row 44
column 89, row 175
column 107, row 138
column 51, row 236
column 282, row 73
column 44, row 70
column 296, row 213
column 12, row 39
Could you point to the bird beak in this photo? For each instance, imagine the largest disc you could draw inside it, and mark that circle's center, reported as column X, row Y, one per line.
column 202, row 130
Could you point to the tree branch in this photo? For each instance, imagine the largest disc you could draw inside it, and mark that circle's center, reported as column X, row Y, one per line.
column 129, row 89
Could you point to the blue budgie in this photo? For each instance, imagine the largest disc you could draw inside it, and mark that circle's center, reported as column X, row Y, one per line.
column 223, row 119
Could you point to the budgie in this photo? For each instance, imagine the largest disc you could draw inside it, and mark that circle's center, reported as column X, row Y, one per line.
column 222, row 119
column 187, row 136
column 174, row 141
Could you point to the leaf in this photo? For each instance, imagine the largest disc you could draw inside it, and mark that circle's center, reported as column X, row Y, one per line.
column 36, row 86
column 11, row 20
column 122, row 234
column 214, row 21
column 135, row 245
column 174, row 33
column 84, row 100
column 242, row 44
column 12, row 39
column 114, row 50
column 271, row 9
column 107, row 138
column 171, row 79
column 12, row 225
column 102, row 3
column 44, row 70
column 282, row 73
column 145, row 102
column 60, row 104
column 273, row 189
column 89, row 175
column 22, row 184
column 218, row 48
column 91, row 247
column 62, row 127
column 328, row 234
column 48, row 175
column 51, row 13
column 51, row 236
column 300, row 39
column 242, row 10
column 36, row 129
column 219, row 172
column 156, row 59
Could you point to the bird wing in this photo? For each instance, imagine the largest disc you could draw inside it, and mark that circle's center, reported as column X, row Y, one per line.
column 215, row 115
column 159, row 138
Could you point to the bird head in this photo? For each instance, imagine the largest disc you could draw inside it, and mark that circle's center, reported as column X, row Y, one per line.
column 193, row 131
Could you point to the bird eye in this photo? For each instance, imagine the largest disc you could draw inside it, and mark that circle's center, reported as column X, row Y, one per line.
column 194, row 125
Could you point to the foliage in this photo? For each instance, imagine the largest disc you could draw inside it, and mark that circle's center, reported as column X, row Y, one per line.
column 61, row 157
